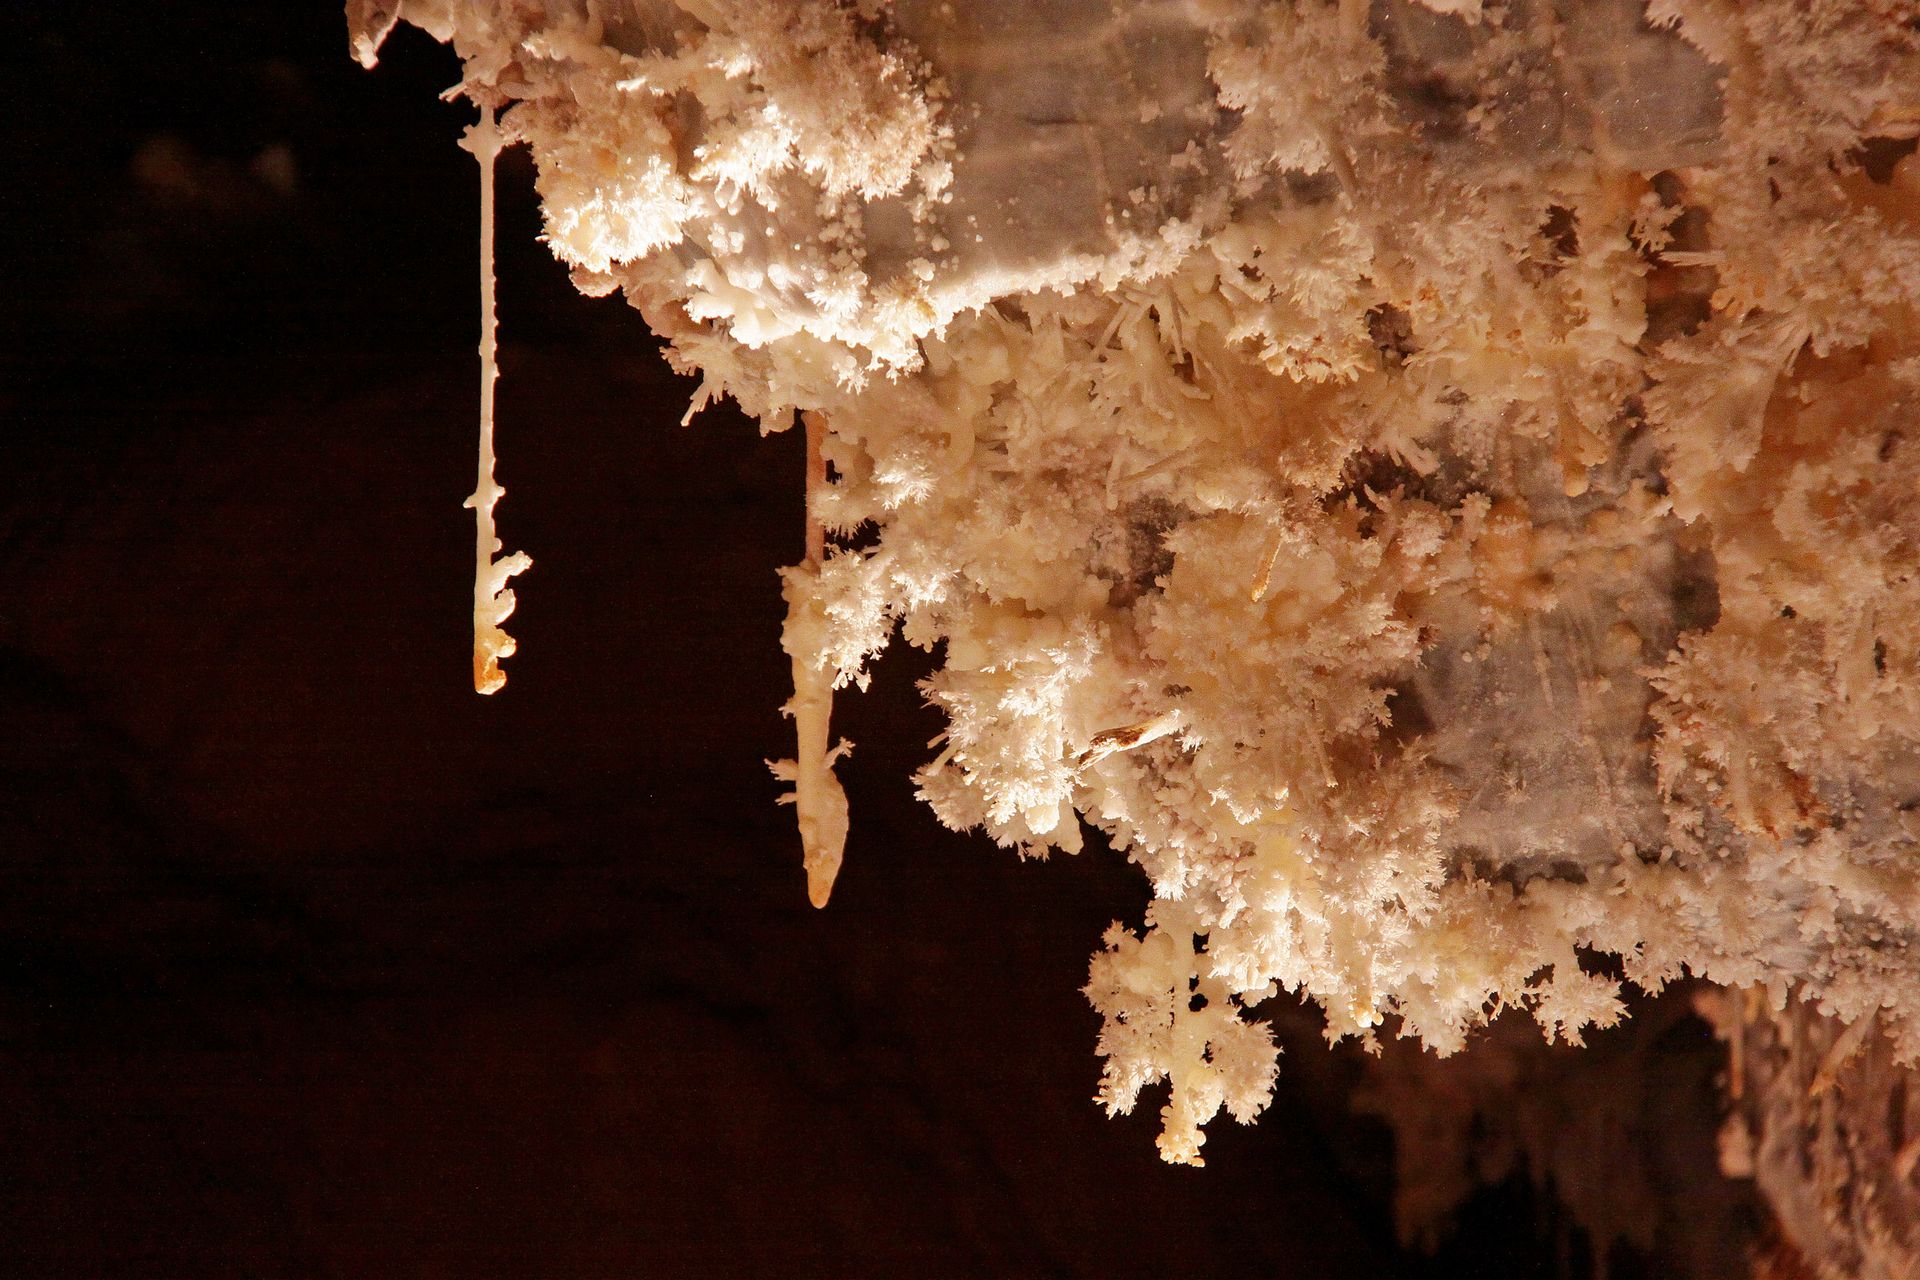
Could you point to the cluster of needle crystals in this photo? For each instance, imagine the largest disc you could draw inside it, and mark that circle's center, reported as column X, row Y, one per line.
column 1435, row 482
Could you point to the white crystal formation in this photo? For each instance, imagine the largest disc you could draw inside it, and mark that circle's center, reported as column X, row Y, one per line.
column 1433, row 483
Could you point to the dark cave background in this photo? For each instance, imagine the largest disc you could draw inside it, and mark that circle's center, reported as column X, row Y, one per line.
column 313, row 963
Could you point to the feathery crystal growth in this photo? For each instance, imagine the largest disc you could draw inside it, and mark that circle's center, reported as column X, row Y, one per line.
column 1433, row 483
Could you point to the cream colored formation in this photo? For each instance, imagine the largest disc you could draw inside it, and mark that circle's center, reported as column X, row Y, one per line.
column 492, row 600
column 1435, row 484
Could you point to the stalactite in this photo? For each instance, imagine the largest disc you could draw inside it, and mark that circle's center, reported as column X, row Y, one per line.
column 818, row 800
column 492, row 601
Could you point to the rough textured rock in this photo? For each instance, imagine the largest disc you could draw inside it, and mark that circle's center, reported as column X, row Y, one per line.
column 1822, row 1121
column 1430, row 482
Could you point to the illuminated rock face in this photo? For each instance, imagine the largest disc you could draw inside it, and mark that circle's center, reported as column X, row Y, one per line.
column 1434, row 483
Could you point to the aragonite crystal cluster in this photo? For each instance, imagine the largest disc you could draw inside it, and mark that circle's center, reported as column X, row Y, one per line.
column 1435, row 482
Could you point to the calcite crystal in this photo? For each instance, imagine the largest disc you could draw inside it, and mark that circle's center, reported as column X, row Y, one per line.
column 1433, row 483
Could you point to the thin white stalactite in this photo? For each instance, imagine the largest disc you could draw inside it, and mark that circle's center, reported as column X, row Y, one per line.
column 820, row 804
column 492, row 602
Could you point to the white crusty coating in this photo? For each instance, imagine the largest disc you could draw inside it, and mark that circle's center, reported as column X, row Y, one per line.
column 1482, row 441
